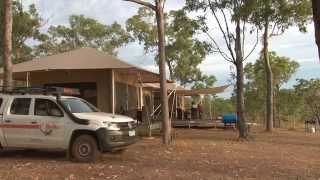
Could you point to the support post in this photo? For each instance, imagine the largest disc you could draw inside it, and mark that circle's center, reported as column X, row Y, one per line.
column 176, row 106
column 182, row 106
column 210, row 107
column 127, row 97
column 113, row 92
column 141, row 97
column 28, row 79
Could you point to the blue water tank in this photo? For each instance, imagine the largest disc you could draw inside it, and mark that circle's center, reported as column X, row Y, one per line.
column 229, row 118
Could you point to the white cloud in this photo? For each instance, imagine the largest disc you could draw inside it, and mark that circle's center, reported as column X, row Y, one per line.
column 106, row 11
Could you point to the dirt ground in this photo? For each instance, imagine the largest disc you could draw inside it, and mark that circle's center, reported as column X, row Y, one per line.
column 196, row 154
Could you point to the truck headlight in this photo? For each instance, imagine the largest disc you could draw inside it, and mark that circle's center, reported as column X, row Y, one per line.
column 111, row 126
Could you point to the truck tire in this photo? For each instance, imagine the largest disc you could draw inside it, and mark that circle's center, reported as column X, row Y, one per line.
column 84, row 149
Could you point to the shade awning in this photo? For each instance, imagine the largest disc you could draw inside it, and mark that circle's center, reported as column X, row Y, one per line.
column 156, row 86
column 202, row 91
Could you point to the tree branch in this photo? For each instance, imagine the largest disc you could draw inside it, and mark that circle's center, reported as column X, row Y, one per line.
column 149, row 5
column 226, row 24
column 223, row 32
column 274, row 29
column 254, row 47
column 243, row 37
column 218, row 49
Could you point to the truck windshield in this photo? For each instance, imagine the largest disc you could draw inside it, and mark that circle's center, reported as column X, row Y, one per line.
column 78, row 106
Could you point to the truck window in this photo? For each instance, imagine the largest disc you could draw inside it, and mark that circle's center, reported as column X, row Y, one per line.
column 45, row 107
column 20, row 106
column 78, row 106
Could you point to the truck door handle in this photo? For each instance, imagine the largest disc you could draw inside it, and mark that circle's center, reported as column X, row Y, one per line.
column 7, row 121
column 34, row 122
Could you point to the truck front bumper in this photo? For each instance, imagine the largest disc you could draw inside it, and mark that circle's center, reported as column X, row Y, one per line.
column 112, row 140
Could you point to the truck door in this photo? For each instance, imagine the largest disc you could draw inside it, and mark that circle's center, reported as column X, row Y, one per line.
column 52, row 122
column 19, row 127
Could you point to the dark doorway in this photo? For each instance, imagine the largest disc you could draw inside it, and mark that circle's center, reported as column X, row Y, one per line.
column 126, row 99
column 88, row 91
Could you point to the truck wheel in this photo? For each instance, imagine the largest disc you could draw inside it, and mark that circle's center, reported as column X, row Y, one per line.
column 84, row 149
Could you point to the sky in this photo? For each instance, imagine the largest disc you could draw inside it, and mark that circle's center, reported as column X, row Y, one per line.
column 298, row 46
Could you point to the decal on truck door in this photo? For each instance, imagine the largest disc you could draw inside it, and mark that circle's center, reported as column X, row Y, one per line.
column 48, row 108
column 47, row 128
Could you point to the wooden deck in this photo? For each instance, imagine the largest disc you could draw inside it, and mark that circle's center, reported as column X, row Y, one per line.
column 197, row 123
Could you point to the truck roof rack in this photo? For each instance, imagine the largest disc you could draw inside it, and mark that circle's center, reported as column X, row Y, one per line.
column 57, row 91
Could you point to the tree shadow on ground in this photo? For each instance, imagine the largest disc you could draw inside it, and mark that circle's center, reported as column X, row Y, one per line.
column 33, row 155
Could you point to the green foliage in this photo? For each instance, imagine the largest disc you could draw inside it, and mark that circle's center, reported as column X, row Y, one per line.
column 183, row 51
column 26, row 27
column 83, row 32
column 214, row 106
column 280, row 14
column 310, row 91
column 206, row 82
column 223, row 106
column 239, row 10
column 143, row 28
column 283, row 68
column 290, row 105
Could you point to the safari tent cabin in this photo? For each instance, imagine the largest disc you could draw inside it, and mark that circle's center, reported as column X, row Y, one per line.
column 107, row 82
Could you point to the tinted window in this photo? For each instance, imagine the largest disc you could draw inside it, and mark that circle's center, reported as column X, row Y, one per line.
column 78, row 106
column 20, row 106
column 45, row 107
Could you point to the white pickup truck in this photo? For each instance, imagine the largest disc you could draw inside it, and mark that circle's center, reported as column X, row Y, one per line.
column 62, row 122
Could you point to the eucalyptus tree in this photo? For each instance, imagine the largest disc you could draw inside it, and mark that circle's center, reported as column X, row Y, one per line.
column 310, row 91
column 273, row 17
column 283, row 69
column 158, row 8
column 25, row 28
column 83, row 32
column 7, row 44
column 291, row 107
column 184, row 52
column 316, row 21
column 235, row 41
